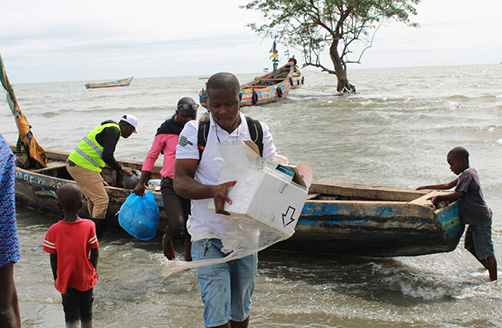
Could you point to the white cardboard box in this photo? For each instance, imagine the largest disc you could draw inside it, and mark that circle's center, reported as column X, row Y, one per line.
column 262, row 192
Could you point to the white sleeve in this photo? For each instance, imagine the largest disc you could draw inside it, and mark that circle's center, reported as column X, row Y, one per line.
column 187, row 147
column 269, row 150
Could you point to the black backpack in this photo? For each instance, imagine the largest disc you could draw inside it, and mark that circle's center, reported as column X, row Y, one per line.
column 255, row 131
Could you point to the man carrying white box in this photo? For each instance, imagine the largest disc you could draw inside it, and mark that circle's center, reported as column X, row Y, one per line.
column 198, row 180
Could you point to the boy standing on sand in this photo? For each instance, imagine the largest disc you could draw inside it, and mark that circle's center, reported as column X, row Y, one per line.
column 73, row 246
column 473, row 209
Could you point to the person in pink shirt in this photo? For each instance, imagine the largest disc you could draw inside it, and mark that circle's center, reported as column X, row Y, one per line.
column 73, row 246
column 177, row 208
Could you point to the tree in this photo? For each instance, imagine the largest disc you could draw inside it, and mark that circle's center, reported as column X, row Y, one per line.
column 338, row 25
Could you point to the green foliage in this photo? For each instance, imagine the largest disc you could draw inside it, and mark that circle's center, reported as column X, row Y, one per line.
column 317, row 25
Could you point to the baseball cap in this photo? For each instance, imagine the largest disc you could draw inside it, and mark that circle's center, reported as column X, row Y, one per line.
column 131, row 119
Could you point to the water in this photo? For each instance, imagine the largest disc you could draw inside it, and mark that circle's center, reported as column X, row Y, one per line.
column 395, row 131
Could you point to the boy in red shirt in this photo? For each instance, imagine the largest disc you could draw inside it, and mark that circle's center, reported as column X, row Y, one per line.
column 73, row 246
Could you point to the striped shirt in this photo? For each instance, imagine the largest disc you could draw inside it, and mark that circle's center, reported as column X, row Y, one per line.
column 72, row 242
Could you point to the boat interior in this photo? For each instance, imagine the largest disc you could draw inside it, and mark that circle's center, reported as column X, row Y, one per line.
column 56, row 167
column 318, row 191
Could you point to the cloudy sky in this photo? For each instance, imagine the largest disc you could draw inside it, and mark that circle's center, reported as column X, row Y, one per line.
column 65, row 40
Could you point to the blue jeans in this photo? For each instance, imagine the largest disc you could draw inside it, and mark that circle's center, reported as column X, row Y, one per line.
column 225, row 288
column 478, row 239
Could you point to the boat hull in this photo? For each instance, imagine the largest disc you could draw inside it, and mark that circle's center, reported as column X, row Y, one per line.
column 267, row 88
column 375, row 229
column 110, row 84
column 337, row 219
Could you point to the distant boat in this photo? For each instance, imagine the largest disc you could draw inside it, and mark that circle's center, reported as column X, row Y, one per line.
column 109, row 84
column 267, row 88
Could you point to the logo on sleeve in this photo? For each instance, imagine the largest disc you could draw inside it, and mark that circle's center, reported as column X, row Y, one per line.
column 184, row 141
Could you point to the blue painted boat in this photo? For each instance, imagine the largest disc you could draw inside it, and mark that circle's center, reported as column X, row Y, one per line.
column 337, row 218
column 365, row 220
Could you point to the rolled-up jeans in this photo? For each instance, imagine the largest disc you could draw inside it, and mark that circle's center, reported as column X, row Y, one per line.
column 225, row 288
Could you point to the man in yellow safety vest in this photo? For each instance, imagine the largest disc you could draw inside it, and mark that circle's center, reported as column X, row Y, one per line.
column 86, row 161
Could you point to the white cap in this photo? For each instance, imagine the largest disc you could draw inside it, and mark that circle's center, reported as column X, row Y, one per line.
column 131, row 119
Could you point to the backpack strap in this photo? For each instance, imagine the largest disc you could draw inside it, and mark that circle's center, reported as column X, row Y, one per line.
column 255, row 131
column 202, row 134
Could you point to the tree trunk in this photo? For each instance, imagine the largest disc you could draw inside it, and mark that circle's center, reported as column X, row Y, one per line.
column 343, row 85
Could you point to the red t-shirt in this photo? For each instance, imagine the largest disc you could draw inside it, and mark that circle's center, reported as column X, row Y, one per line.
column 72, row 242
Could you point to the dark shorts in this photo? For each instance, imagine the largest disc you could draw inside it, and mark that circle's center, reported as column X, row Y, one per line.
column 176, row 208
column 478, row 239
column 77, row 305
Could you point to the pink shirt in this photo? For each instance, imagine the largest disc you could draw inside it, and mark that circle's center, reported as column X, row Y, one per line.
column 166, row 143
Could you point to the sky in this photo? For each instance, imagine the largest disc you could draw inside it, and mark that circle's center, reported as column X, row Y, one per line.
column 65, row 40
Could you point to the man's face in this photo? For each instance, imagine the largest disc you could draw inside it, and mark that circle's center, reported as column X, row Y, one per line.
column 127, row 131
column 224, row 105
column 185, row 114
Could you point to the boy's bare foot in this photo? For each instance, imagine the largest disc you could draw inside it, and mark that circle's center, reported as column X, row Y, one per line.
column 167, row 248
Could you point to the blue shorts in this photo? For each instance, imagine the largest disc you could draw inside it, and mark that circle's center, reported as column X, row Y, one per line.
column 225, row 288
column 478, row 239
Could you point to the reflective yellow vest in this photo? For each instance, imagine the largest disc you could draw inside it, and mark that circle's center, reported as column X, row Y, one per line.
column 88, row 152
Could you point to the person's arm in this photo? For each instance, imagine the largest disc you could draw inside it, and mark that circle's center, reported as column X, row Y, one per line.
column 186, row 186
column 110, row 137
column 94, row 257
column 54, row 265
column 452, row 196
column 441, row 186
column 9, row 304
column 146, row 170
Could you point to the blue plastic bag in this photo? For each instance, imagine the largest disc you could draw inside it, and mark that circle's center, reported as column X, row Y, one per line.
column 139, row 216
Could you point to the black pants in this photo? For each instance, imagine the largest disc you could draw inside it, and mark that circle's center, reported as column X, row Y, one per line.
column 177, row 209
column 77, row 306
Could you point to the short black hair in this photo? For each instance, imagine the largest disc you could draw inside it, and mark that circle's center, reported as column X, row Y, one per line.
column 223, row 80
column 185, row 100
column 459, row 153
column 70, row 196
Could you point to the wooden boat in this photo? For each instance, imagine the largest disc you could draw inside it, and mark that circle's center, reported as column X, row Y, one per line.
column 109, row 84
column 267, row 88
column 337, row 218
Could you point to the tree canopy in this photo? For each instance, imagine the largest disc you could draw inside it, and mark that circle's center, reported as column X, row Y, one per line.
column 337, row 26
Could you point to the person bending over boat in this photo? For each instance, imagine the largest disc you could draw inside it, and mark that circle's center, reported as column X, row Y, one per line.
column 226, row 288
column 473, row 209
column 87, row 160
column 176, row 207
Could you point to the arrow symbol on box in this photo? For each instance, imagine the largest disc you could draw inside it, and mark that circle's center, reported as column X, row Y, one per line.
column 287, row 218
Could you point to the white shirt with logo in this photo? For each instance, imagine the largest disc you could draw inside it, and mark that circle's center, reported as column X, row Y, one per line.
column 205, row 223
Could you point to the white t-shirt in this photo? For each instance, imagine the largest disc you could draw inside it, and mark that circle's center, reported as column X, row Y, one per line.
column 205, row 223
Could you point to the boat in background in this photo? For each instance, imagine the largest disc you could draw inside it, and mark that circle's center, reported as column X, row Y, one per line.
column 267, row 88
column 337, row 218
column 109, row 84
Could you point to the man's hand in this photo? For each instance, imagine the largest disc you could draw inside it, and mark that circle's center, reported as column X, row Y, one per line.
column 126, row 171
column 139, row 189
column 220, row 196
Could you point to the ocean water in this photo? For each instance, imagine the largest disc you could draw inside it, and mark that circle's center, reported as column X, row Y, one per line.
column 395, row 131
